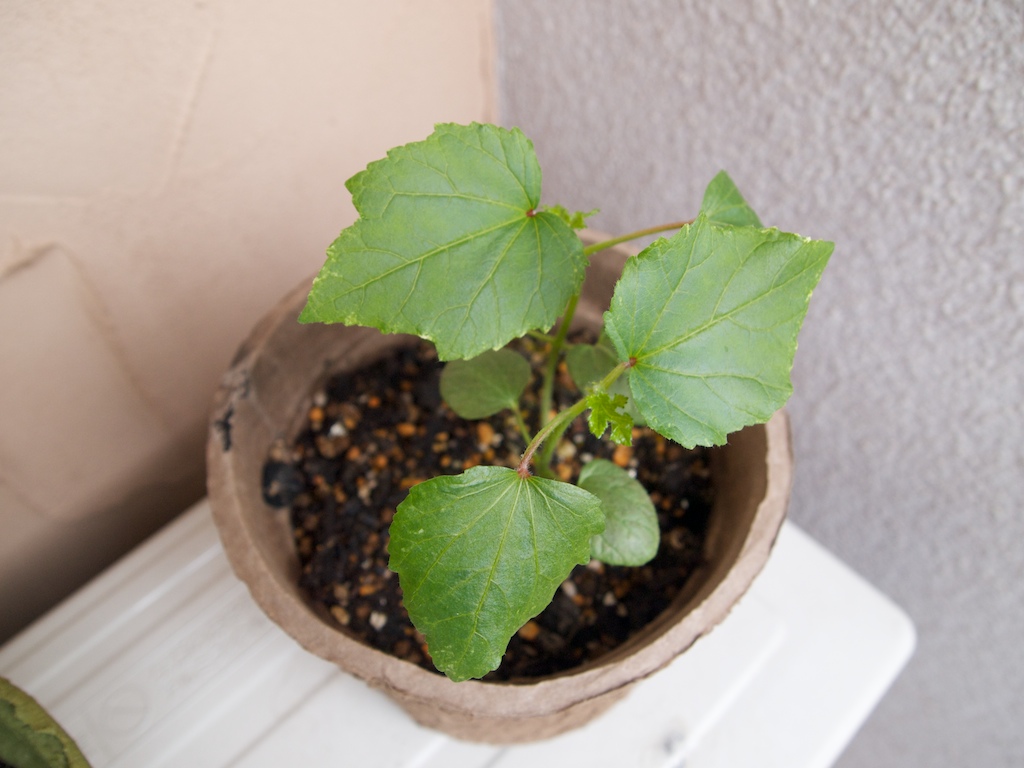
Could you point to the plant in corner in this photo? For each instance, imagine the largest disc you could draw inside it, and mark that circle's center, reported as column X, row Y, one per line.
column 453, row 245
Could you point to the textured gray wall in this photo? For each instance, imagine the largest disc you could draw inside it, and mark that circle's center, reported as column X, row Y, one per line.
column 897, row 130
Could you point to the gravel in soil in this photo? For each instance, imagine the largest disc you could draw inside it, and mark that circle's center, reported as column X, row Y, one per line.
column 372, row 434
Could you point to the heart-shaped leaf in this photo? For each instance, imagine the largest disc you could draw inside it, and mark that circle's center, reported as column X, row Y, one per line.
column 631, row 534
column 723, row 204
column 450, row 246
column 711, row 317
column 479, row 554
column 486, row 384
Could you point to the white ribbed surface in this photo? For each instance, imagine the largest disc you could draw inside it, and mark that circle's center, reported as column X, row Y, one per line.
column 164, row 660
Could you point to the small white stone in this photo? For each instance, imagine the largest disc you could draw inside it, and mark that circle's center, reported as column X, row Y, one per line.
column 378, row 620
column 369, row 487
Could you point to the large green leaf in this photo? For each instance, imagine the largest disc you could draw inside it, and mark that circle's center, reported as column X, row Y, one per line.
column 486, row 384
column 724, row 205
column 450, row 245
column 479, row 554
column 711, row 316
column 631, row 534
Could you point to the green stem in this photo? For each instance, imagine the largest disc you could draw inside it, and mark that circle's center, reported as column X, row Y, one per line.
column 539, row 336
column 554, row 355
column 591, row 249
column 562, row 420
column 544, row 460
column 548, row 451
column 552, row 432
column 521, row 423
column 558, row 341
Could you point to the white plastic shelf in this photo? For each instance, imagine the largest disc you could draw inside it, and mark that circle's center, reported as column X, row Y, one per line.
column 164, row 660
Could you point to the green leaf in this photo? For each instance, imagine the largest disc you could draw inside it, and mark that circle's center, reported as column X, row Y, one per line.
column 723, row 205
column 449, row 245
column 605, row 410
column 479, row 554
column 631, row 534
column 486, row 384
column 575, row 219
column 30, row 737
column 711, row 316
column 589, row 363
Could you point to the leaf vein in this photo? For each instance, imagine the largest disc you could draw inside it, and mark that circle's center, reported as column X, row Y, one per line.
column 714, row 320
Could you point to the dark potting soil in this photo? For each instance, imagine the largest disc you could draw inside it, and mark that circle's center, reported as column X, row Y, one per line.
column 374, row 433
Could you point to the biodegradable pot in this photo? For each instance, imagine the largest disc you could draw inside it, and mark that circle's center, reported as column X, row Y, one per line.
column 264, row 397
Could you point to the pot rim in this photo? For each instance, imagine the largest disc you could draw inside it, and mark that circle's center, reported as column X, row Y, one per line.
column 410, row 682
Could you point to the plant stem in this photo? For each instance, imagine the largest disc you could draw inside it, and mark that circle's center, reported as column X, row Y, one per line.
column 563, row 419
column 552, row 432
column 591, row 249
column 521, row 423
column 554, row 354
column 544, row 460
column 558, row 341
column 549, row 424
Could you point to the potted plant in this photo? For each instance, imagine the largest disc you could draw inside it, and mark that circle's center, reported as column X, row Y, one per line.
column 693, row 337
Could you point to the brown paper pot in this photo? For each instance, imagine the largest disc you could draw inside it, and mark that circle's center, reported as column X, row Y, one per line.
column 265, row 395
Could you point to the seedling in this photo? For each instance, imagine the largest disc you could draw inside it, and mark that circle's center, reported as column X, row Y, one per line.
column 452, row 245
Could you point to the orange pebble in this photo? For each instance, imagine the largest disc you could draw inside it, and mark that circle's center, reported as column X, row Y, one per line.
column 622, row 455
column 484, row 433
column 529, row 631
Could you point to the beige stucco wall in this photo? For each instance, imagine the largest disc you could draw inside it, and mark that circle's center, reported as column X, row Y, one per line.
column 167, row 170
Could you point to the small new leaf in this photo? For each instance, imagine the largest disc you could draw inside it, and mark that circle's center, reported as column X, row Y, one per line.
column 450, row 246
column 711, row 316
column 575, row 219
column 589, row 363
column 486, row 384
column 605, row 410
column 631, row 533
column 479, row 554
column 723, row 205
